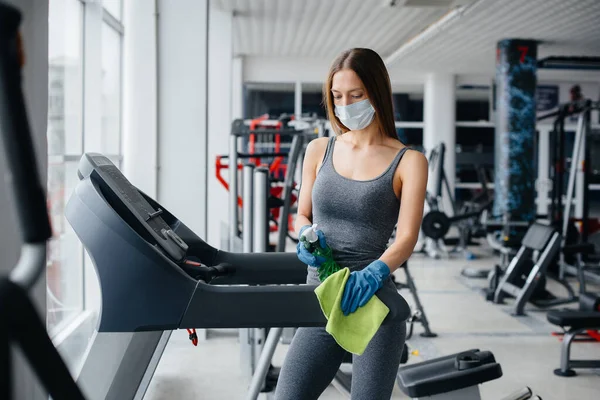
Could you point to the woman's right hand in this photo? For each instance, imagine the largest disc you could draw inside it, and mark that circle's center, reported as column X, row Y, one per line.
column 306, row 256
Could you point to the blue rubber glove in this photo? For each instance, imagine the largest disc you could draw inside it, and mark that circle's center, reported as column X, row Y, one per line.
column 362, row 285
column 304, row 255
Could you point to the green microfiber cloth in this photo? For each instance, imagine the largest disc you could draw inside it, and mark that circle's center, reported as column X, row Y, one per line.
column 353, row 332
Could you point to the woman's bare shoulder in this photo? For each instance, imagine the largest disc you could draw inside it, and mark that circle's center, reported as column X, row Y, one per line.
column 414, row 161
column 316, row 148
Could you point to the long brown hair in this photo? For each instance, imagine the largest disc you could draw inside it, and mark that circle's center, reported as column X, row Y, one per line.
column 371, row 70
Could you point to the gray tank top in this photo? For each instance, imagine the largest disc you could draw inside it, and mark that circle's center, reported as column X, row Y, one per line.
column 357, row 217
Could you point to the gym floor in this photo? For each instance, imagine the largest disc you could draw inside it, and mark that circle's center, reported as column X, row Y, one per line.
column 458, row 313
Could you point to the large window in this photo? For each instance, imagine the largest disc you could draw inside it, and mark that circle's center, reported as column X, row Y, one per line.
column 268, row 98
column 85, row 67
column 111, row 90
column 408, row 114
column 65, row 144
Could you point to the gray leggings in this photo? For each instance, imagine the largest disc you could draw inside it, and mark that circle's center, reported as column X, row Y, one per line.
column 314, row 358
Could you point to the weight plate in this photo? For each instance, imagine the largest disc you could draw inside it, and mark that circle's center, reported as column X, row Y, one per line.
column 435, row 225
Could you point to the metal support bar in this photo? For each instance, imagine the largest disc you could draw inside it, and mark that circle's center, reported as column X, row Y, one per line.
column 253, row 348
column 510, row 270
column 538, row 270
column 264, row 362
column 246, row 335
column 565, row 355
column 233, row 191
column 410, row 283
column 248, row 205
column 572, row 174
column 297, row 143
column 261, row 215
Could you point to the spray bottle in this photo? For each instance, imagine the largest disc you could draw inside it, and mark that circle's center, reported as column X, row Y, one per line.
column 310, row 239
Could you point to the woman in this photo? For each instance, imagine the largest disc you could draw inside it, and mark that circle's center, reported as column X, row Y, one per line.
column 352, row 188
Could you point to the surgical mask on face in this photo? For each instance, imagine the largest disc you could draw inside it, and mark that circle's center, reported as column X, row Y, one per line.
column 357, row 115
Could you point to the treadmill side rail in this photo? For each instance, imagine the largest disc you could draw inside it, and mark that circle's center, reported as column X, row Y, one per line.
column 253, row 307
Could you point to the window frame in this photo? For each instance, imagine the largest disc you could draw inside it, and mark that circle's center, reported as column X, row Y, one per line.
column 94, row 15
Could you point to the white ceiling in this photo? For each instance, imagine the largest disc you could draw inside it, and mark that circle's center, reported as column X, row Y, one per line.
column 467, row 44
column 321, row 29
column 324, row 28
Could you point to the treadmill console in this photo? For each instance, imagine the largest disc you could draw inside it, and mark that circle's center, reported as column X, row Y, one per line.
column 131, row 205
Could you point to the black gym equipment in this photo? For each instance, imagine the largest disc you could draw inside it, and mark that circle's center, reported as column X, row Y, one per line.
column 527, row 271
column 21, row 324
column 415, row 381
column 436, row 223
column 418, row 315
column 577, row 321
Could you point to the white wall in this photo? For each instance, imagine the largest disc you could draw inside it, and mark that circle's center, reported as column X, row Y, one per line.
column 182, row 89
column 140, row 91
column 220, row 67
column 35, row 83
column 237, row 88
column 308, row 70
column 285, row 69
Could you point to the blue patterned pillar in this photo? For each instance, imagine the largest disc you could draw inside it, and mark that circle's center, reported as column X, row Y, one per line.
column 515, row 171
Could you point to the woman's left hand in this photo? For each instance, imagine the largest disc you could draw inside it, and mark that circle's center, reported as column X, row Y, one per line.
column 362, row 285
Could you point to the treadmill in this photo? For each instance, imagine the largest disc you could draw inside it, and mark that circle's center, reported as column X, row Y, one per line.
column 156, row 276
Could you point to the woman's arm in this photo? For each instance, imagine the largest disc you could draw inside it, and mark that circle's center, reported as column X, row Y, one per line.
column 413, row 173
column 312, row 158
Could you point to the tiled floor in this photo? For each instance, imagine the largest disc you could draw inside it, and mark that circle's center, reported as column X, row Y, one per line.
column 457, row 312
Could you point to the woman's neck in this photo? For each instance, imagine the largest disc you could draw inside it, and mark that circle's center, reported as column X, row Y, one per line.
column 365, row 137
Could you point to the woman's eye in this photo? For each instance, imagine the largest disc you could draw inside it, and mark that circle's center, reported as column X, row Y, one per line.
column 357, row 96
column 337, row 97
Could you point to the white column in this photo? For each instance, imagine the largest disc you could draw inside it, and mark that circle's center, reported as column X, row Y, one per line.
column 140, row 107
column 439, row 115
column 237, row 88
column 298, row 99
column 34, row 29
column 220, row 82
column 182, row 104
column 543, row 182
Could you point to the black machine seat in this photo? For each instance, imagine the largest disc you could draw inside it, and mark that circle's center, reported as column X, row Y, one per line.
column 574, row 319
column 450, row 373
column 537, row 236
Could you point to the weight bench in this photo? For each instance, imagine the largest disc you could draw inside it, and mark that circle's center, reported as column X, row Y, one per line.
column 578, row 322
column 539, row 238
column 456, row 376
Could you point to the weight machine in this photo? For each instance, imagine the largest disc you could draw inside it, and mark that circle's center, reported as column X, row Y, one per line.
column 585, row 264
column 293, row 137
column 554, row 243
column 436, row 223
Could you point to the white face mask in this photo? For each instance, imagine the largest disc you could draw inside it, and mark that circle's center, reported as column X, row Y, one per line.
column 357, row 115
